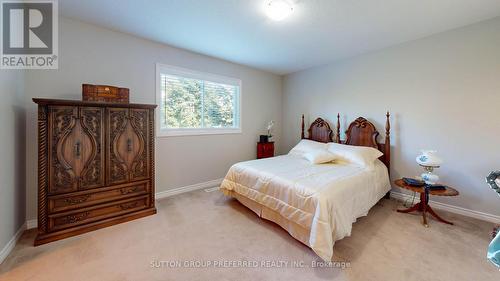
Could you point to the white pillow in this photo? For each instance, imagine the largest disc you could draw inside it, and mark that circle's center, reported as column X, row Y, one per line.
column 319, row 156
column 362, row 156
column 305, row 146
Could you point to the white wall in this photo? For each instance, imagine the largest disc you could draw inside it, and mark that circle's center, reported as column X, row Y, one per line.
column 91, row 54
column 12, row 152
column 443, row 92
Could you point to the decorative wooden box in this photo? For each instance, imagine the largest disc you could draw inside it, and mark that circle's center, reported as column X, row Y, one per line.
column 104, row 93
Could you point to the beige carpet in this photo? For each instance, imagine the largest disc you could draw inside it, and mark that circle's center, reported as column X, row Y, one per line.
column 201, row 226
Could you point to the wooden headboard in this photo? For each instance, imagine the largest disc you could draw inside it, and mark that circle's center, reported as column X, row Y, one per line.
column 360, row 132
column 319, row 131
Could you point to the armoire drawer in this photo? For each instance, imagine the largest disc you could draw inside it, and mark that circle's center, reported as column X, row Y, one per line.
column 76, row 200
column 98, row 212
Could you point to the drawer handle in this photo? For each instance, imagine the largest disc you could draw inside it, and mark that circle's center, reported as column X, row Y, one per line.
column 129, row 190
column 129, row 145
column 77, row 200
column 76, row 218
column 130, row 205
column 78, row 151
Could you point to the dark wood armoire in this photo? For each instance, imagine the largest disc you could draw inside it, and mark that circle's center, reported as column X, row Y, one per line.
column 95, row 166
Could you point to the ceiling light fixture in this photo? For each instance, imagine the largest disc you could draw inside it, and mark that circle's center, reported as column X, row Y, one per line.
column 278, row 9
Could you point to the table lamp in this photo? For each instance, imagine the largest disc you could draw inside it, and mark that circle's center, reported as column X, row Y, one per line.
column 429, row 161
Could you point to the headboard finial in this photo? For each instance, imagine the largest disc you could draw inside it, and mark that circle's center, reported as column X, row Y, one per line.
column 387, row 126
column 387, row 144
column 337, row 134
column 302, row 135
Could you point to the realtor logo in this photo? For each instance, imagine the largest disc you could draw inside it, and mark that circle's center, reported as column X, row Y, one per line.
column 29, row 34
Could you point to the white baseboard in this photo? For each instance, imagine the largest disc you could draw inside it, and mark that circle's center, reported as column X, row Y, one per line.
column 12, row 243
column 450, row 208
column 179, row 190
column 30, row 224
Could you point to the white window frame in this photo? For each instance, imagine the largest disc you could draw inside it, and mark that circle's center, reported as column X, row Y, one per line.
column 184, row 72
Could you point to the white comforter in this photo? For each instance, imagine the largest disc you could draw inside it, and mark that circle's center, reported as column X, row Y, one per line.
column 325, row 198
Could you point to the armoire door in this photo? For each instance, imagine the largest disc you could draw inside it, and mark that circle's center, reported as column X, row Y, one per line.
column 128, row 154
column 75, row 148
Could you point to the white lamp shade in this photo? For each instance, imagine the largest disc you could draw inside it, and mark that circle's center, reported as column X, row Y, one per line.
column 429, row 158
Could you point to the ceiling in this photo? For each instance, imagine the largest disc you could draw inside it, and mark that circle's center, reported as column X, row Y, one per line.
column 317, row 32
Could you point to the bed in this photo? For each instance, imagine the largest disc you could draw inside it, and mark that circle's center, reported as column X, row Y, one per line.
column 316, row 203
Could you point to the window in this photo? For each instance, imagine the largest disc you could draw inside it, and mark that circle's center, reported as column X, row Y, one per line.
column 196, row 103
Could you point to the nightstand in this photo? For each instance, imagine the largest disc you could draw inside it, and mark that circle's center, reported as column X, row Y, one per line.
column 265, row 149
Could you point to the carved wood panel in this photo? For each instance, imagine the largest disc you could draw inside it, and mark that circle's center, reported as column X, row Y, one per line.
column 62, row 121
column 117, row 169
column 139, row 168
column 92, row 122
column 75, row 148
column 128, row 145
column 43, row 167
column 86, row 215
column 320, row 131
column 362, row 132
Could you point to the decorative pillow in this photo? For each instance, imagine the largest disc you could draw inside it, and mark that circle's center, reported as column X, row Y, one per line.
column 320, row 156
column 362, row 156
column 305, row 146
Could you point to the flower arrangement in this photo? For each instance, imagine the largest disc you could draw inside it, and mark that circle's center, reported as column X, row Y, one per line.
column 270, row 126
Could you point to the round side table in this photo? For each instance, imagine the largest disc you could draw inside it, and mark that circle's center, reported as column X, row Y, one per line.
column 423, row 205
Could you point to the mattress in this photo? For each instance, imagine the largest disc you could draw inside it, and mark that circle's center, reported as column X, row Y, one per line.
column 316, row 204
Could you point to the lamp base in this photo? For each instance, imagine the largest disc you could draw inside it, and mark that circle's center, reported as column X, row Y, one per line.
column 430, row 178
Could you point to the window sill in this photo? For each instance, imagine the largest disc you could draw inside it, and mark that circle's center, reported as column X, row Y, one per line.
column 196, row 132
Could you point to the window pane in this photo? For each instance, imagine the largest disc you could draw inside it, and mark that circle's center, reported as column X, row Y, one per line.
column 219, row 105
column 192, row 102
column 182, row 103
